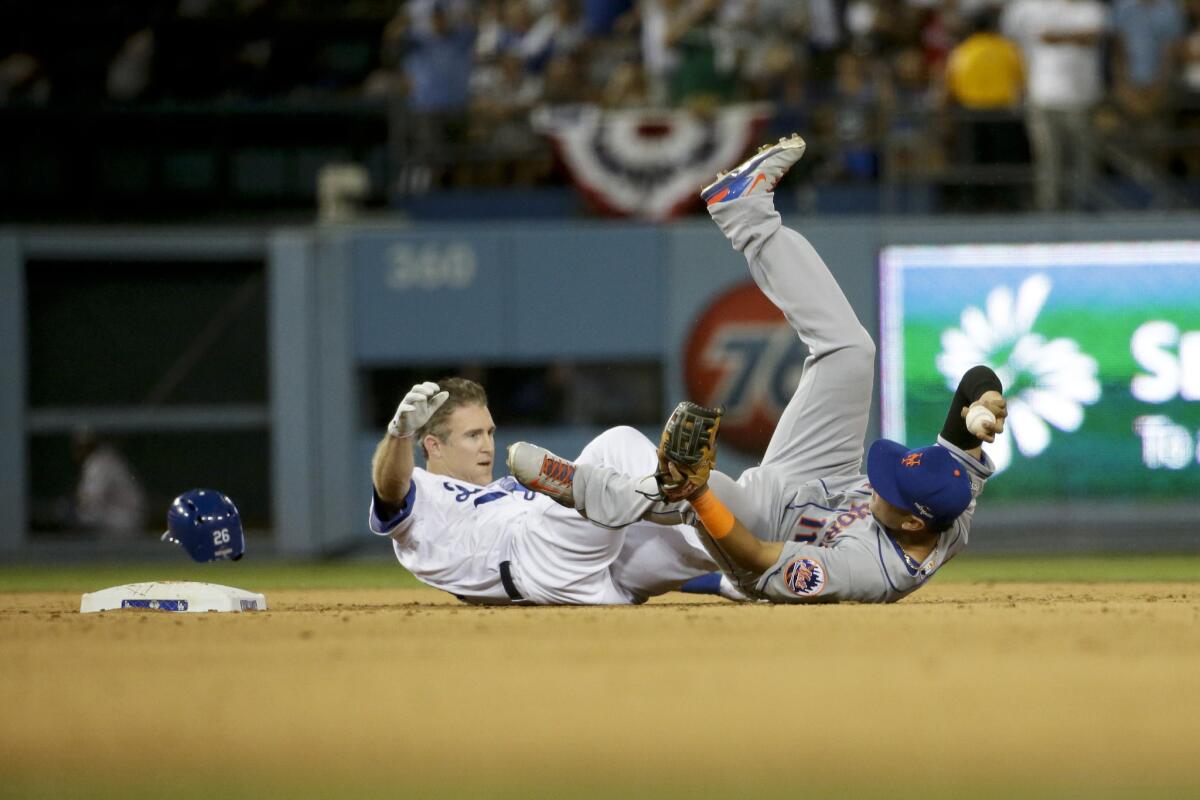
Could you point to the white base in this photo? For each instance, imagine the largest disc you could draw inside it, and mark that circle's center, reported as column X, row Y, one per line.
column 173, row 596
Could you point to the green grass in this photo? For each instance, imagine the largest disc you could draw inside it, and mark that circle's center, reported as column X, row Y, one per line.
column 387, row 575
column 256, row 577
column 1072, row 569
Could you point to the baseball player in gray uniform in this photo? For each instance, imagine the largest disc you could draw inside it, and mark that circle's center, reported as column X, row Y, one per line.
column 805, row 525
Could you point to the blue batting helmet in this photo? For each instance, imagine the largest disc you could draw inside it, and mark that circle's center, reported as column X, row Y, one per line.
column 207, row 525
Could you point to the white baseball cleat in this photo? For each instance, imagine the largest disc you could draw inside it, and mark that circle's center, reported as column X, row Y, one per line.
column 538, row 469
column 759, row 173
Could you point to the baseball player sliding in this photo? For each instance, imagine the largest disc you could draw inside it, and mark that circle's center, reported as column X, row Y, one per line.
column 805, row 525
column 494, row 542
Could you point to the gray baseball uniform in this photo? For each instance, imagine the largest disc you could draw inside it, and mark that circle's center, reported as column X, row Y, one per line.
column 809, row 490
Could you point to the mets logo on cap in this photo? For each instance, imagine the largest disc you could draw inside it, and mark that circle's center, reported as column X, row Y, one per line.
column 742, row 354
column 804, row 576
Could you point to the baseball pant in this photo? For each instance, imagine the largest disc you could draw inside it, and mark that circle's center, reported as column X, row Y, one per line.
column 820, row 433
column 562, row 557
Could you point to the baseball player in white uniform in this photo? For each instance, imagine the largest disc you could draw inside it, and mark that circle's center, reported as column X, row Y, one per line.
column 493, row 541
column 806, row 525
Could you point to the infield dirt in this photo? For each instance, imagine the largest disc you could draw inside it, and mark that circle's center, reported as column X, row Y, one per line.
column 964, row 690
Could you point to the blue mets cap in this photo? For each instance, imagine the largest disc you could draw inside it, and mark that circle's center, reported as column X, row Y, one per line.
column 207, row 525
column 927, row 482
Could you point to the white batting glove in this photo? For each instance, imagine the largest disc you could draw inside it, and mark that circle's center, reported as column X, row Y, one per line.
column 415, row 409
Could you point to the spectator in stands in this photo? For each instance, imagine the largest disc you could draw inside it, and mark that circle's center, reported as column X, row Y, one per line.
column 762, row 41
column 823, row 23
column 1190, row 48
column 1061, row 41
column 790, row 93
column 938, row 33
column 1188, row 89
column 109, row 498
column 626, row 87
column 131, row 71
column 858, row 95
column 1189, row 52
column 983, row 85
column 23, row 79
column 985, row 71
column 503, row 95
column 1146, row 35
column 875, row 25
column 601, row 16
column 503, row 28
column 564, row 81
column 909, row 103
column 435, row 57
column 679, row 53
column 559, row 31
column 491, row 35
column 233, row 58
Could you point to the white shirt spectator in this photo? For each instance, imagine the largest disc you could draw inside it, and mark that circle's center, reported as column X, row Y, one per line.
column 108, row 497
column 1062, row 75
column 658, row 57
column 824, row 31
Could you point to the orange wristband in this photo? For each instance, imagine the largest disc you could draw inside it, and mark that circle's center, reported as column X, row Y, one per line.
column 717, row 519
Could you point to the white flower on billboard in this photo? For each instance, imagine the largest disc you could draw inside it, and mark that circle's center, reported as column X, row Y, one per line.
column 1046, row 383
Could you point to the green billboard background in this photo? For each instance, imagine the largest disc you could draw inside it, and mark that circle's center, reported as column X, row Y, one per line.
column 1094, row 299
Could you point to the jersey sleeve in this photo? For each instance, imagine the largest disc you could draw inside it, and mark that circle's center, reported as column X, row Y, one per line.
column 978, row 470
column 388, row 520
column 805, row 573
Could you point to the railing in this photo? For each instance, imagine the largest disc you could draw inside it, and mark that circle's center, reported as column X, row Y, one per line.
column 1132, row 158
column 260, row 161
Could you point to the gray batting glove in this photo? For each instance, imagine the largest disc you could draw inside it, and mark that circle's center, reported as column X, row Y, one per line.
column 415, row 409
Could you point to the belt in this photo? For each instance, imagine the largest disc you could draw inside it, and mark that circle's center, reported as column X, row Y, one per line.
column 510, row 588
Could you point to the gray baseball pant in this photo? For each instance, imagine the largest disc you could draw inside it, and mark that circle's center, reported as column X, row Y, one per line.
column 820, row 433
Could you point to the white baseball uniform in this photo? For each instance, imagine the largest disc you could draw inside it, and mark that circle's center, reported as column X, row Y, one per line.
column 501, row 543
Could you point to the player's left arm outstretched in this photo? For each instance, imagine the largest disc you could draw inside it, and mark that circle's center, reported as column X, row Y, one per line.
column 687, row 454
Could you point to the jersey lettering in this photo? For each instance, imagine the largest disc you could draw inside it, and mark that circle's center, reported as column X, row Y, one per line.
column 507, row 485
column 809, row 528
column 463, row 491
column 489, row 497
column 858, row 511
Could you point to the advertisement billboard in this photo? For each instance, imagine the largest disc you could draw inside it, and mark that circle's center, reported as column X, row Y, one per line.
column 1098, row 346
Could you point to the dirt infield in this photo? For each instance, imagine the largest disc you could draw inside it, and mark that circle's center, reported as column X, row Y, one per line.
column 964, row 690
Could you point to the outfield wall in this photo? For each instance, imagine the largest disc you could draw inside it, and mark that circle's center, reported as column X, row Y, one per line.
column 342, row 302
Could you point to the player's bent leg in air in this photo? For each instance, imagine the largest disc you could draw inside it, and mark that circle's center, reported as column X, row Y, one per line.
column 821, row 431
column 621, row 557
column 611, row 483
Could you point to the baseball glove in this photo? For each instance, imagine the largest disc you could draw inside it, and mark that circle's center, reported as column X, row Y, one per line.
column 687, row 451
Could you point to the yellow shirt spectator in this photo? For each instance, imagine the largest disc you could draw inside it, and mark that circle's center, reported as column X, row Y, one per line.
column 985, row 72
